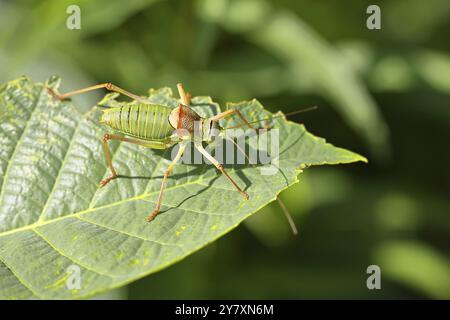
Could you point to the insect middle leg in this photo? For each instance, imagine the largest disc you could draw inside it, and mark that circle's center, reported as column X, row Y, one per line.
column 163, row 184
column 148, row 144
column 219, row 166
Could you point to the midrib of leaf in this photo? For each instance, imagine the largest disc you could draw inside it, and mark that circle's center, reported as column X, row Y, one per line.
column 105, row 227
column 139, row 197
column 68, row 257
column 91, row 209
column 129, row 233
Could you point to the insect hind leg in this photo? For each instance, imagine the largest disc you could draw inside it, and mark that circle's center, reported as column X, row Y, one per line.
column 108, row 86
column 163, row 184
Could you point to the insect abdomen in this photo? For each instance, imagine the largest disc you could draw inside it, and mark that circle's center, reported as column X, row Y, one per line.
column 143, row 121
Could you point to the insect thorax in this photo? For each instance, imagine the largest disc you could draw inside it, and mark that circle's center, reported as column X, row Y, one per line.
column 183, row 117
column 194, row 126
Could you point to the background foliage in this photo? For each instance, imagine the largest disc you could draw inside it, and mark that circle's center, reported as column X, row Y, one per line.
column 382, row 93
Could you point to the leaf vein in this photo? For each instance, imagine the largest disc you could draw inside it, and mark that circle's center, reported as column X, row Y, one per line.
column 54, row 247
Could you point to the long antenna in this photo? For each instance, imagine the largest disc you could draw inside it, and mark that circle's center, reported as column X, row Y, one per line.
column 280, row 202
column 288, row 216
column 274, row 117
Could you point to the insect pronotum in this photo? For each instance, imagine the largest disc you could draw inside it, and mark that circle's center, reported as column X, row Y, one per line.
column 158, row 127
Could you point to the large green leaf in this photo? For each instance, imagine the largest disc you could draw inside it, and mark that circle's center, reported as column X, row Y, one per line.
column 52, row 214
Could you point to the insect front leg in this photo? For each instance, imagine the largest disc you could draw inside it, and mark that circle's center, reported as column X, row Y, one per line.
column 163, row 185
column 229, row 113
column 219, row 166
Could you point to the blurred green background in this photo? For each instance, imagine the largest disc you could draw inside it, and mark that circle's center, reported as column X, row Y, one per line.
column 383, row 93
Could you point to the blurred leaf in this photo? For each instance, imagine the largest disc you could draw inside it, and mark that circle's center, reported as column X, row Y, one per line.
column 414, row 20
column 434, row 67
column 27, row 41
column 304, row 53
column 270, row 228
column 52, row 214
column 360, row 54
column 415, row 265
column 399, row 72
column 392, row 73
column 397, row 211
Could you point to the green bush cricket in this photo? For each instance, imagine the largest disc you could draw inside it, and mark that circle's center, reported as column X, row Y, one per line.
column 158, row 127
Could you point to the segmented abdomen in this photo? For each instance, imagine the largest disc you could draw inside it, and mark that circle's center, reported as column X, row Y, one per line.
column 143, row 121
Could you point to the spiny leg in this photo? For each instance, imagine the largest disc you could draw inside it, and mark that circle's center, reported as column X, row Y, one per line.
column 216, row 163
column 229, row 113
column 109, row 86
column 163, row 185
column 148, row 144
